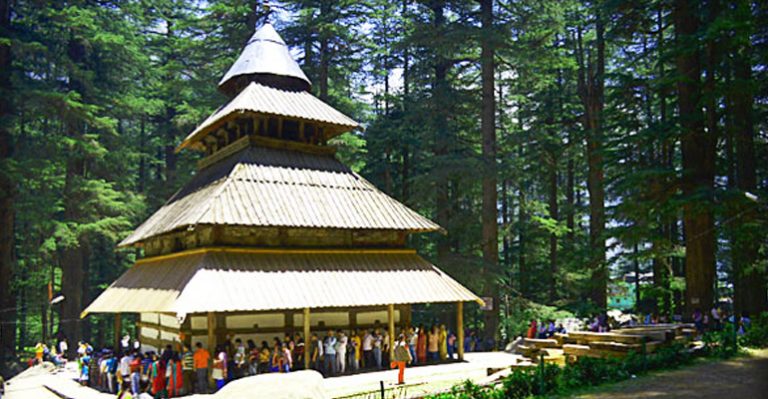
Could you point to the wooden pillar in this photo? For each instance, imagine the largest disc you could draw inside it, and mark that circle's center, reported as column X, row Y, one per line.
column 118, row 330
column 460, row 328
column 391, row 321
column 211, row 341
column 307, row 341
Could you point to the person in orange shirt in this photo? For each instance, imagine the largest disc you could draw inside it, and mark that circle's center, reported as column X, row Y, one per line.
column 201, row 359
column 402, row 357
column 39, row 350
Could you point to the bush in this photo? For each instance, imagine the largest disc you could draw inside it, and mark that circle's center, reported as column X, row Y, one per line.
column 720, row 343
column 468, row 390
column 757, row 335
column 585, row 372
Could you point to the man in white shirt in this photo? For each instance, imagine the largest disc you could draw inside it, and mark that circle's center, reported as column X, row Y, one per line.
column 125, row 366
column 413, row 341
column 341, row 352
column 368, row 350
column 63, row 347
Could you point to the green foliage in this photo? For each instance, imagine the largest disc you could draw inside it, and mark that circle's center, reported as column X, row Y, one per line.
column 104, row 91
column 520, row 312
column 585, row 372
column 721, row 343
column 756, row 335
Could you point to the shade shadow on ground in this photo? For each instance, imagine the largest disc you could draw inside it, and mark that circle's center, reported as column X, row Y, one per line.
column 743, row 377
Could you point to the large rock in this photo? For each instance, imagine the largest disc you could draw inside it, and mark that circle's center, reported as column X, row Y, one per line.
column 305, row 384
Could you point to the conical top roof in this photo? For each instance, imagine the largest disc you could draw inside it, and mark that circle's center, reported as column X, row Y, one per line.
column 265, row 59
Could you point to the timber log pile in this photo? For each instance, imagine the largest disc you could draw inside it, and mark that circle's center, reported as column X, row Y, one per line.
column 618, row 343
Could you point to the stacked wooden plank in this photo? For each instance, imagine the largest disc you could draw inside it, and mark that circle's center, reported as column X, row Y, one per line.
column 615, row 344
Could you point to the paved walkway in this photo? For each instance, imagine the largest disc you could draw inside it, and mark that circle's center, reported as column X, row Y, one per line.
column 40, row 381
column 423, row 379
column 743, row 377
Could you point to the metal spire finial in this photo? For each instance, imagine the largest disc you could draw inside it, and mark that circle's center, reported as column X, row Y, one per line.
column 267, row 10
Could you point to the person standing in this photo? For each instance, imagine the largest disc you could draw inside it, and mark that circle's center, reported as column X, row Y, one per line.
column 63, row 347
column 287, row 359
column 413, row 341
column 111, row 365
column 201, row 359
column 717, row 319
column 442, row 341
column 135, row 369
column 356, row 346
column 433, row 345
column 299, row 352
column 220, row 367
column 532, row 329
column 385, row 346
column 421, row 345
column 39, row 353
column 187, row 369
column 264, row 357
column 239, row 360
column 315, row 351
column 451, row 344
column 173, row 376
column 329, row 354
column 368, row 350
column 341, row 352
column 124, row 369
column 158, row 377
column 377, row 343
column 402, row 357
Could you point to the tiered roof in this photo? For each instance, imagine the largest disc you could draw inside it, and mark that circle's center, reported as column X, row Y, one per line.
column 256, row 181
column 226, row 279
column 268, row 187
column 265, row 57
column 260, row 99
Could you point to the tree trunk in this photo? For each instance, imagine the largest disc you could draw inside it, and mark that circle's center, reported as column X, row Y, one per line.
column 522, row 203
column 490, row 228
column 439, row 94
column 591, row 84
column 325, row 57
column 72, row 260
column 142, row 179
column 170, row 128
column 636, row 264
column 553, row 214
column 698, row 150
column 7, row 216
column 750, row 295
column 406, row 164
column 569, row 192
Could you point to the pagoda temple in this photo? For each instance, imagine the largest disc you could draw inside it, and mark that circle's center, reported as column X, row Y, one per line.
column 273, row 234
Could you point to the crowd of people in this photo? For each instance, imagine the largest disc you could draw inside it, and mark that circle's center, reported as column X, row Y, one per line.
column 130, row 373
column 716, row 318
column 544, row 329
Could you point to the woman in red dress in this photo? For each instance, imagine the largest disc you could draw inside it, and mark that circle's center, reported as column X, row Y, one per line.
column 157, row 375
column 421, row 345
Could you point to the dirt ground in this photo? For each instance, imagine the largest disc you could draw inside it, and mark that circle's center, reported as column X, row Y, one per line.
column 740, row 378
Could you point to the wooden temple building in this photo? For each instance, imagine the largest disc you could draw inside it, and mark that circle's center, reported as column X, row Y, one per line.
column 273, row 234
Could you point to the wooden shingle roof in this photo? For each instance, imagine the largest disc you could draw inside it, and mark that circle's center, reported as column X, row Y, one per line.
column 223, row 279
column 266, row 54
column 268, row 187
column 260, row 99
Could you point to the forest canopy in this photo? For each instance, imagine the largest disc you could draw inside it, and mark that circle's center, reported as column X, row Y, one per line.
column 561, row 144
